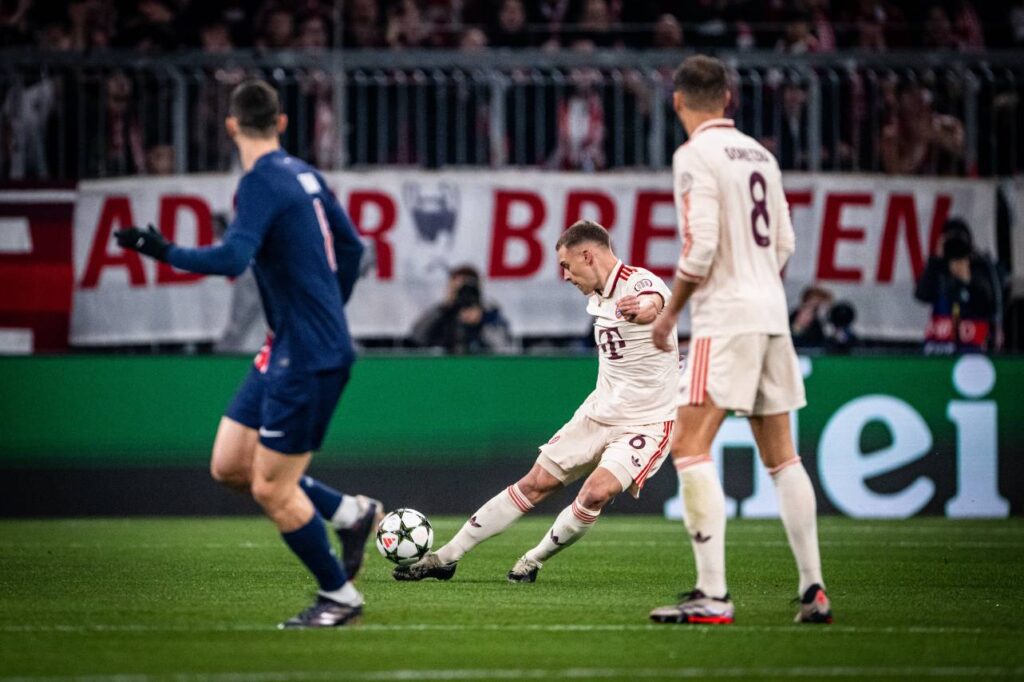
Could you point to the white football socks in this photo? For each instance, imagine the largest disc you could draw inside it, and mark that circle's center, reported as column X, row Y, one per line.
column 496, row 516
column 346, row 594
column 347, row 513
column 798, row 509
column 704, row 515
column 570, row 525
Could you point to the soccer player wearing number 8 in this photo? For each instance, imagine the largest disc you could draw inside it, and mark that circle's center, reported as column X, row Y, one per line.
column 737, row 236
column 619, row 436
column 305, row 254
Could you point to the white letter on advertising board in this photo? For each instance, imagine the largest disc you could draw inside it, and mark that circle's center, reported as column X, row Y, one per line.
column 844, row 468
column 977, row 449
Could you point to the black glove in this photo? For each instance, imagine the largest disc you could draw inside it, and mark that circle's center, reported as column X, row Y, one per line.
column 148, row 242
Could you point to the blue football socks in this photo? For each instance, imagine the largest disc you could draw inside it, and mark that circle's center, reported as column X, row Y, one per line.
column 311, row 546
column 325, row 498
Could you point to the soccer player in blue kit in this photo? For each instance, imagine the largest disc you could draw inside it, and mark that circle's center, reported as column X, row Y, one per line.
column 305, row 254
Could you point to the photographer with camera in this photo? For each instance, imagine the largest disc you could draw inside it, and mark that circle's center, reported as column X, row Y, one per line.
column 820, row 323
column 807, row 322
column 463, row 323
column 964, row 290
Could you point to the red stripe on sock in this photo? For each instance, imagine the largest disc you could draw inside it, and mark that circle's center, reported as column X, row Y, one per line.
column 584, row 516
column 522, row 504
column 686, row 462
column 787, row 463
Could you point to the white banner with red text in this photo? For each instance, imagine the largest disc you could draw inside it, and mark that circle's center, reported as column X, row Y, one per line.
column 866, row 238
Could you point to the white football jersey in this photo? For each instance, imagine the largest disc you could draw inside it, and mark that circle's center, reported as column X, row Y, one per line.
column 736, row 231
column 636, row 382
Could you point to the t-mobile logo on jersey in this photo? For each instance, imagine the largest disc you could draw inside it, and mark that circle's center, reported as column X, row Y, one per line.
column 610, row 341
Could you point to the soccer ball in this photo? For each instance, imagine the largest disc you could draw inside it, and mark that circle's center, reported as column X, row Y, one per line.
column 404, row 536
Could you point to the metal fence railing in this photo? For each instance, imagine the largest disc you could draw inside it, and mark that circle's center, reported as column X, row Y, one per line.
column 74, row 116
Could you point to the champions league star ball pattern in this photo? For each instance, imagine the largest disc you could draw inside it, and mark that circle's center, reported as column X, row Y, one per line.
column 404, row 536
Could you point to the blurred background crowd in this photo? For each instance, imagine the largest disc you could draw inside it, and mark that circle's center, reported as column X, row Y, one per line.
column 122, row 87
column 803, row 26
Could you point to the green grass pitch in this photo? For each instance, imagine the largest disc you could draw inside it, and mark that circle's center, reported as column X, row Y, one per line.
column 198, row 599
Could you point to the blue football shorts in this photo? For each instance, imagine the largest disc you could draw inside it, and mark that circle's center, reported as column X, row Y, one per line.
column 292, row 410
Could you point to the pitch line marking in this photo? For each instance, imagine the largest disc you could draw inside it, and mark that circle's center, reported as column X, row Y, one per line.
column 911, row 544
column 525, row 627
column 399, row 675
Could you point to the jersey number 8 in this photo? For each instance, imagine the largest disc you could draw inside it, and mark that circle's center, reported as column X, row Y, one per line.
column 760, row 209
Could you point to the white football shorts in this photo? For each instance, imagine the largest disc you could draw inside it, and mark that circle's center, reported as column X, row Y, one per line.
column 631, row 453
column 751, row 374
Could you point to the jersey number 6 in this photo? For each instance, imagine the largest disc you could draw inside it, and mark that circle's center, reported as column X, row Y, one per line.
column 760, row 209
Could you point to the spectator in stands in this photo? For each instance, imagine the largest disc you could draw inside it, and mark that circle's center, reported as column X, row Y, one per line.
column 668, row 33
column 214, row 38
column 713, row 21
column 160, row 160
column 443, row 25
column 964, row 290
column 552, row 18
column 317, row 86
column 405, row 25
column 14, row 23
column 464, row 322
column 791, row 148
column 210, row 148
column 938, row 30
column 363, row 29
column 967, row 26
column 92, row 24
column 918, row 140
column 798, row 37
column 1016, row 20
column 874, row 25
column 871, row 32
column 314, row 33
column 818, row 13
column 118, row 149
column 278, row 29
column 473, row 40
column 595, row 24
column 54, row 36
column 25, row 113
column 151, row 26
column 511, row 28
column 581, row 131
column 236, row 16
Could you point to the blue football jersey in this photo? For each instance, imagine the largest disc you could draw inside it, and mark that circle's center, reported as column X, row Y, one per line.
column 305, row 254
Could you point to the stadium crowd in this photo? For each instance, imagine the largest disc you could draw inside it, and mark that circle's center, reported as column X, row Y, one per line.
column 792, row 26
column 117, row 121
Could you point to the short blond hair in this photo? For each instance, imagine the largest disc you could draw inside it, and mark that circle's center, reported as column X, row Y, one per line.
column 583, row 231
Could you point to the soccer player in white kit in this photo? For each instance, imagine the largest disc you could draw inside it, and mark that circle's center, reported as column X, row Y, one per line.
column 618, row 437
column 737, row 236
